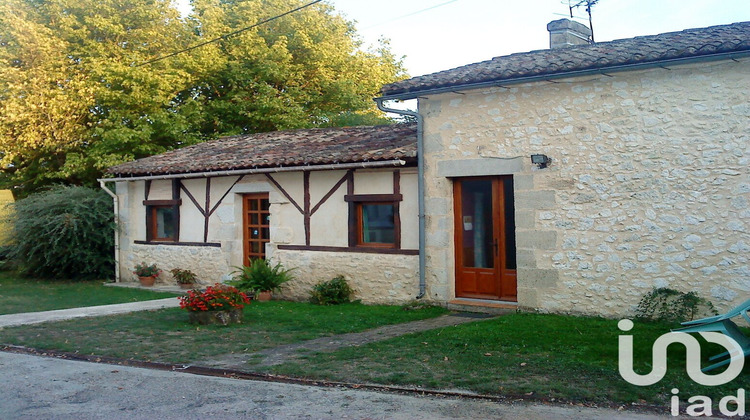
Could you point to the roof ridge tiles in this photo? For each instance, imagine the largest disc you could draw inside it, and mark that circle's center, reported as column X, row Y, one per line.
column 688, row 43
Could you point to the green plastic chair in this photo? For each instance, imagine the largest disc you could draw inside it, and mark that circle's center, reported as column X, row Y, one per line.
column 722, row 324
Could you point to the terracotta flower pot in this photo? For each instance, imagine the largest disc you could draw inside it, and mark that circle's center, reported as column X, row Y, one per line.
column 187, row 285
column 232, row 316
column 263, row 296
column 147, row 281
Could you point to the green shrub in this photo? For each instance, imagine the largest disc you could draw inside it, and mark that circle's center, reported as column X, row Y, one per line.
column 331, row 292
column 64, row 233
column 669, row 305
column 183, row 276
column 260, row 276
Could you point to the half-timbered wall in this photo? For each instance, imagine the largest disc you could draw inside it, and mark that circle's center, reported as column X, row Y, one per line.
column 310, row 228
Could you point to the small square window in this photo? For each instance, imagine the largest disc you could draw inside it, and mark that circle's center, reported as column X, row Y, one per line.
column 162, row 225
column 376, row 225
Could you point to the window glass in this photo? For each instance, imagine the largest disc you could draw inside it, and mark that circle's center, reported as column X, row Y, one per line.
column 510, row 224
column 477, row 223
column 378, row 226
column 163, row 223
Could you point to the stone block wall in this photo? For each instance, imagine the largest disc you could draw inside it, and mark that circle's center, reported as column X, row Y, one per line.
column 209, row 264
column 648, row 185
column 375, row 278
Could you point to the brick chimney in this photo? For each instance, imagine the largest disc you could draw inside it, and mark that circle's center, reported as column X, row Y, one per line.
column 565, row 32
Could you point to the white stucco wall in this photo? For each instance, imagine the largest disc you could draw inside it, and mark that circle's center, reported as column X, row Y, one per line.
column 648, row 186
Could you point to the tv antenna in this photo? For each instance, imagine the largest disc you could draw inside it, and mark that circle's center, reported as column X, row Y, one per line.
column 588, row 4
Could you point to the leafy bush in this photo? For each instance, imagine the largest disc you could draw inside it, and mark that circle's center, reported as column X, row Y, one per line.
column 260, row 276
column 183, row 276
column 670, row 305
column 145, row 270
column 64, row 233
column 331, row 292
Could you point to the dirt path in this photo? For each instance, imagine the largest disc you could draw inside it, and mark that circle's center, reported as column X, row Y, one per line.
column 278, row 355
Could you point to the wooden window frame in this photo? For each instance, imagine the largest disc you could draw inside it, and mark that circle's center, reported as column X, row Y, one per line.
column 151, row 220
column 356, row 226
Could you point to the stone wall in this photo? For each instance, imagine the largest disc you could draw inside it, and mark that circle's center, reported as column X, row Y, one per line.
column 208, row 263
column 375, row 278
column 648, row 185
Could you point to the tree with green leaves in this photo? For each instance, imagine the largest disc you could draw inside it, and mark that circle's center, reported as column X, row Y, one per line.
column 74, row 102
column 80, row 89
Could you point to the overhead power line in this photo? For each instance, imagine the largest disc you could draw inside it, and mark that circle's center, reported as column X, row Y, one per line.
column 231, row 34
column 410, row 14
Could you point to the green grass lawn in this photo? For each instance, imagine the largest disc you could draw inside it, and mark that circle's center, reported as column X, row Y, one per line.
column 28, row 295
column 167, row 336
column 528, row 355
column 564, row 358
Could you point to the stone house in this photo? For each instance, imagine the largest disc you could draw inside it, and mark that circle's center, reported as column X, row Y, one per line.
column 642, row 146
column 573, row 179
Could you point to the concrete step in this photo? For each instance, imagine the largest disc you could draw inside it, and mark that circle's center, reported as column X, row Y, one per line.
column 482, row 306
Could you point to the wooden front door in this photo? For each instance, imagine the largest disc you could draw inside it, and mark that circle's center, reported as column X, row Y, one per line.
column 255, row 226
column 485, row 238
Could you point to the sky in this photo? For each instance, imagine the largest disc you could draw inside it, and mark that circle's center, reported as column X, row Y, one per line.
column 436, row 35
column 460, row 32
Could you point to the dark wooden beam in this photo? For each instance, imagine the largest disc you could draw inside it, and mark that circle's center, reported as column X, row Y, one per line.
column 192, row 198
column 286, row 194
column 176, row 185
column 206, row 215
column 354, row 249
column 330, row 193
column 352, row 210
column 362, row 198
column 162, row 202
column 209, row 244
column 225, row 194
column 307, row 213
column 397, row 209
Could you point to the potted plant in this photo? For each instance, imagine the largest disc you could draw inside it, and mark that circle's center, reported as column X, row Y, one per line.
column 218, row 304
column 261, row 278
column 185, row 278
column 147, row 274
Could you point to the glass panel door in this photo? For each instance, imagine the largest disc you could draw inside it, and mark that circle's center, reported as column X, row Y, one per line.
column 485, row 238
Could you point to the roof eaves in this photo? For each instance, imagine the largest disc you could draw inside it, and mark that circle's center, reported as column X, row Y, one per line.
column 258, row 170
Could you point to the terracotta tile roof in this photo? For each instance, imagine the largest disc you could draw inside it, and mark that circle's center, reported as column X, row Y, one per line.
column 640, row 50
column 315, row 146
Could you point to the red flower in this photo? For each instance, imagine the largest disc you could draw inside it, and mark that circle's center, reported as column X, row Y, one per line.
column 214, row 298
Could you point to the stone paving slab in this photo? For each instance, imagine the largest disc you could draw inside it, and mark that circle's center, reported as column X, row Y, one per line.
column 89, row 311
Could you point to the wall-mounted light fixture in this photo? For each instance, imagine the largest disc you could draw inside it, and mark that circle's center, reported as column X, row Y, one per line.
column 541, row 160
